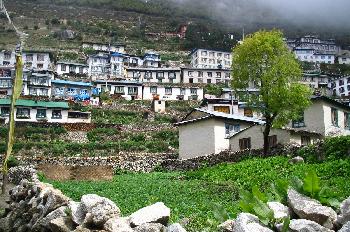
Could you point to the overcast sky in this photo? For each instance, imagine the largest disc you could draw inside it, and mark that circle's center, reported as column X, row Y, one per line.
column 323, row 12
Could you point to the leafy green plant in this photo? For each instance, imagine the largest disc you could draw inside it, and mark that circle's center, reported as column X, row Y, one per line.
column 254, row 202
column 311, row 187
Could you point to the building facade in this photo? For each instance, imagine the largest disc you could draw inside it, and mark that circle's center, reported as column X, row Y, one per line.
column 311, row 55
column 154, row 75
column 206, row 76
column 71, row 90
column 211, row 59
column 63, row 67
column 172, row 92
column 31, row 59
column 41, row 111
column 341, row 86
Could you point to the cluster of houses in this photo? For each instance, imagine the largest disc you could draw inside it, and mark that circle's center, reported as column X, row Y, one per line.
column 227, row 125
column 315, row 50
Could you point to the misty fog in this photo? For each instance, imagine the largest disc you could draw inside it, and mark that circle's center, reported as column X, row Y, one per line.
column 298, row 12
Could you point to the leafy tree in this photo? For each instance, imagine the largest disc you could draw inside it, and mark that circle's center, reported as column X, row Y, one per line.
column 264, row 61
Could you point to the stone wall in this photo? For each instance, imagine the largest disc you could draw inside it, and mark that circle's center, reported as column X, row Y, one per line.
column 37, row 206
column 135, row 162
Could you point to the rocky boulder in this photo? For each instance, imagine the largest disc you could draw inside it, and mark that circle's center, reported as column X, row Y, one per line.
column 307, row 208
column 118, row 225
column 303, row 225
column 226, row 226
column 345, row 228
column 246, row 222
column 344, row 215
column 156, row 213
column 93, row 211
column 296, row 160
column 175, row 228
column 280, row 211
column 150, row 227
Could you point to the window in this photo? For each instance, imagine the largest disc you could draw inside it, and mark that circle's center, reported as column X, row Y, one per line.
column 168, row 90
column 172, row 75
column 200, row 74
column 190, row 73
column 204, row 53
column 29, row 57
column 148, row 75
column 346, row 120
column 248, row 112
column 182, row 91
column 334, row 116
column 227, row 75
column 81, row 70
column 23, row 113
column 193, row 91
column 71, row 69
column 231, row 129
column 56, row 114
column 132, row 90
column 244, row 143
column 272, row 140
column 209, row 81
column 341, row 90
column 153, row 89
column 160, row 75
column 40, row 66
column 119, row 90
column 190, row 80
column 40, row 57
column 305, row 140
column 41, row 113
column 299, row 123
column 210, row 74
column 5, row 111
column 200, row 80
column 218, row 74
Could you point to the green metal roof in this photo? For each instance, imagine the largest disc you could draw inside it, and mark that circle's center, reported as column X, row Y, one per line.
column 31, row 103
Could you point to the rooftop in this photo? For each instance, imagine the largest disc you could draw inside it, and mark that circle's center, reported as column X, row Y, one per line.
column 87, row 84
column 214, row 114
column 32, row 103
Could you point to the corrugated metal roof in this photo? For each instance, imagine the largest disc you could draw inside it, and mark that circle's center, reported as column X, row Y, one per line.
column 31, row 103
column 88, row 84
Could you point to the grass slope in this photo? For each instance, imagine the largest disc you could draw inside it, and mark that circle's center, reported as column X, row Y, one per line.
column 195, row 195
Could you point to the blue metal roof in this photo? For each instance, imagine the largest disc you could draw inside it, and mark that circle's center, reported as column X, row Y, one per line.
column 87, row 84
column 118, row 54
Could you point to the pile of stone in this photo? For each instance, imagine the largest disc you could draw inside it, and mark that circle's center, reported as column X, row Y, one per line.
column 36, row 206
column 308, row 215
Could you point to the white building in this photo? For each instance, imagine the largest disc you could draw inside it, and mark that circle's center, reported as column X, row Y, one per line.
column 211, row 59
column 341, row 87
column 31, row 59
column 102, row 47
column 311, row 55
column 99, row 66
column 325, row 116
column 129, row 90
column 38, row 83
column 151, row 59
column 206, row 75
column 6, row 73
column 344, row 58
column 172, row 92
column 71, row 90
column 313, row 42
column 205, row 132
column 154, row 75
column 252, row 138
column 63, row 67
column 41, row 111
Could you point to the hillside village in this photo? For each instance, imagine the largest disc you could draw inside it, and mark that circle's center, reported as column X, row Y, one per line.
column 147, row 140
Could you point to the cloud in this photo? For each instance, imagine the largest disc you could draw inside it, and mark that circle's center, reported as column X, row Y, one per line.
column 325, row 13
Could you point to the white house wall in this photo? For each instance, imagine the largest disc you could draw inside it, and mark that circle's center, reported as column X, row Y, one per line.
column 197, row 139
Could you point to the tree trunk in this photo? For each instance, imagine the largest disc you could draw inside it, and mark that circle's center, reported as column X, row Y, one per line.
column 266, row 136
